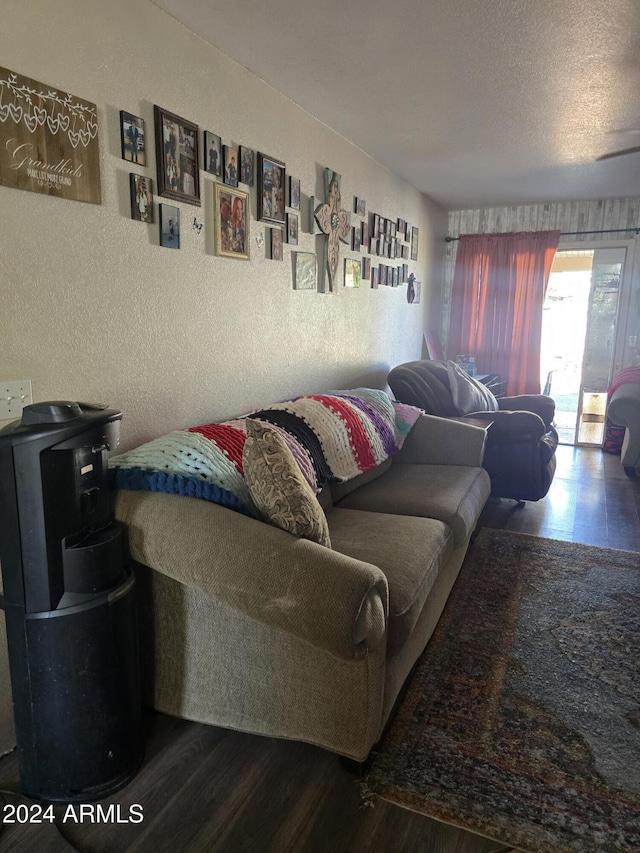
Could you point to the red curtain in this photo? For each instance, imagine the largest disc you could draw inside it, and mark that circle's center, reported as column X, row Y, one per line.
column 498, row 292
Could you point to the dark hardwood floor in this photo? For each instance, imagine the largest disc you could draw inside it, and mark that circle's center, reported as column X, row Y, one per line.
column 591, row 500
column 206, row 789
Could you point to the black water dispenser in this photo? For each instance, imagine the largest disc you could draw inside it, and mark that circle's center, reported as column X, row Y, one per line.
column 69, row 604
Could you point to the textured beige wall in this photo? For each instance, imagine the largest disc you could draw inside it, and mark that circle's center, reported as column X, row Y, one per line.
column 91, row 308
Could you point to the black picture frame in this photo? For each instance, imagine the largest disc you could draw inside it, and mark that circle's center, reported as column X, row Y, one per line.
column 277, row 240
column 133, row 138
column 247, row 165
column 177, row 157
column 292, row 229
column 169, row 223
column 212, row 153
column 271, row 189
column 414, row 243
column 294, row 193
column 141, row 192
column 231, row 165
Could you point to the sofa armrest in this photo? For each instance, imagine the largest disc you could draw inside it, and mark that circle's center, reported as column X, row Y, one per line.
column 440, row 441
column 332, row 601
column 624, row 405
column 539, row 404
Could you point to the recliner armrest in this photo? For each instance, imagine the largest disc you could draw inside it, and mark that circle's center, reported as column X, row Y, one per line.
column 539, row 404
column 518, row 424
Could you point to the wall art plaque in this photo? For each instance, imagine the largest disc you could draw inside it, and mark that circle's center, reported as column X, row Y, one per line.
column 48, row 140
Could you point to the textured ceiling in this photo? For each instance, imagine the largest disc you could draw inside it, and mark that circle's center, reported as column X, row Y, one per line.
column 474, row 103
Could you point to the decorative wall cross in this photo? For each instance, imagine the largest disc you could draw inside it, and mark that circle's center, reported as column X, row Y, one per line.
column 334, row 222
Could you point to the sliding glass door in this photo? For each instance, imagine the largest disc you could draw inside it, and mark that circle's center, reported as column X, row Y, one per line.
column 602, row 321
column 580, row 322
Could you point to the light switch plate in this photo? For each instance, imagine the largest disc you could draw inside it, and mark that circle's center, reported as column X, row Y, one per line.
column 14, row 396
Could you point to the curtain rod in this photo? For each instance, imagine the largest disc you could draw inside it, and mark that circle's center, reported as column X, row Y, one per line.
column 571, row 233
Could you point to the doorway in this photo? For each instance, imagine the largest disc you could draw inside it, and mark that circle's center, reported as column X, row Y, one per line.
column 579, row 339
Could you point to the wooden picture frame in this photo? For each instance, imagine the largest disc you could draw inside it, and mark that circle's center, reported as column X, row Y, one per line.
column 177, row 157
column 232, row 217
column 48, row 141
column 271, row 189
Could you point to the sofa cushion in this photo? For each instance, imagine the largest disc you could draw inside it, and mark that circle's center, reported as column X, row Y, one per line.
column 454, row 494
column 278, row 489
column 410, row 552
column 468, row 394
column 341, row 490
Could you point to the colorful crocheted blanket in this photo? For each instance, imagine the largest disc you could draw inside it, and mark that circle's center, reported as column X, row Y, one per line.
column 333, row 437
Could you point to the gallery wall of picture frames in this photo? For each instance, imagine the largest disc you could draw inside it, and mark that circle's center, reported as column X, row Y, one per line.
column 383, row 246
column 38, row 115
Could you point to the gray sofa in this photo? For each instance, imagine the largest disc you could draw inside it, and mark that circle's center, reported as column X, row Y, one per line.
column 624, row 410
column 248, row 627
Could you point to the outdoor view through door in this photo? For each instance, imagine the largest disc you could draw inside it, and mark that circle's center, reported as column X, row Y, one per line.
column 578, row 339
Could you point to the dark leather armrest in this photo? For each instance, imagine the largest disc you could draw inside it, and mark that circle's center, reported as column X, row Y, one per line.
column 518, row 424
column 539, row 404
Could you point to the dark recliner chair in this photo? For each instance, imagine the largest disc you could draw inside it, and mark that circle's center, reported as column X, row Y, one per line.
column 521, row 441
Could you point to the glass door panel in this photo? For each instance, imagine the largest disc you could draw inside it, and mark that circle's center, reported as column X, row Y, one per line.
column 606, row 277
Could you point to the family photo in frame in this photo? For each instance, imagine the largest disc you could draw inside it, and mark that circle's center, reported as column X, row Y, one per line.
column 177, row 154
column 212, row 153
column 132, row 138
column 271, row 189
column 232, row 214
column 247, row 168
column 169, row 226
column 230, row 165
column 141, row 190
column 276, row 244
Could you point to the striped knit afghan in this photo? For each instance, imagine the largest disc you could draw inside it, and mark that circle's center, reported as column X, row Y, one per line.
column 333, row 437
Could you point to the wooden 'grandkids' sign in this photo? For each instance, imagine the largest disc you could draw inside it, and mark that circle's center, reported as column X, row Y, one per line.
column 48, row 140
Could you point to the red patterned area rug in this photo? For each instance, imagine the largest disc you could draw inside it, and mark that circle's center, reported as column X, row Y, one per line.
column 522, row 719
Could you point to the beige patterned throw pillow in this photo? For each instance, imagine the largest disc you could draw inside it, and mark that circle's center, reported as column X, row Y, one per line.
column 278, row 488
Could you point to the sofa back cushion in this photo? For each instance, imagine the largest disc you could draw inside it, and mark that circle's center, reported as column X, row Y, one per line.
column 341, row 490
